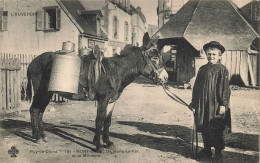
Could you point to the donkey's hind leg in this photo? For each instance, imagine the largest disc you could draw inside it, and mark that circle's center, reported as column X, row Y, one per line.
column 37, row 109
column 34, row 113
column 34, row 109
column 40, row 101
column 45, row 102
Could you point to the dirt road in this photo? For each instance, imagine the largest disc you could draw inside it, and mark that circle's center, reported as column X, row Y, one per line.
column 147, row 127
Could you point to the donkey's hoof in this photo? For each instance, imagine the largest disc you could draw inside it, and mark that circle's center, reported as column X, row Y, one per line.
column 45, row 139
column 112, row 147
column 108, row 144
column 39, row 141
column 99, row 150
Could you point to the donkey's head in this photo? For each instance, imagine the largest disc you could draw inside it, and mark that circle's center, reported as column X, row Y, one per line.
column 153, row 68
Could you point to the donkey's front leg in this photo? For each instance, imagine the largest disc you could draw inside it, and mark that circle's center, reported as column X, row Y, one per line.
column 107, row 123
column 101, row 114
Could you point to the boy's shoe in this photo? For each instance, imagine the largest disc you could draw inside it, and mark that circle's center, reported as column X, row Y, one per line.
column 205, row 154
column 218, row 156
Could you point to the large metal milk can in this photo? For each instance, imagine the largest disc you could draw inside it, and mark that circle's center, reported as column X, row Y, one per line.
column 65, row 73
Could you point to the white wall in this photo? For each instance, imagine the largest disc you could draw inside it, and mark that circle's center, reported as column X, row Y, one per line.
column 140, row 28
column 119, row 42
column 22, row 36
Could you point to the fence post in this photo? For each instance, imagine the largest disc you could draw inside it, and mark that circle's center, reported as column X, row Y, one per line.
column 1, row 91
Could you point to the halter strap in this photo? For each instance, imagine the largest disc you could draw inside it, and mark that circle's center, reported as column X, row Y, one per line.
column 145, row 53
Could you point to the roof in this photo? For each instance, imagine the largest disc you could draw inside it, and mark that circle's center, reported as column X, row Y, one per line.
column 202, row 21
column 93, row 4
column 75, row 9
column 249, row 11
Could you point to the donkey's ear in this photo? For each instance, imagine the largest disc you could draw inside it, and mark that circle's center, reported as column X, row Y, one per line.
column 154, row 40
column 96, row 51
column 146, row 40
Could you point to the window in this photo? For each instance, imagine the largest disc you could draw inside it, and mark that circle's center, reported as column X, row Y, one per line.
column 3, row 20
column 126, row 30
column 98, row 26
column 133, row 37
column 48, row 19
column 115, row 27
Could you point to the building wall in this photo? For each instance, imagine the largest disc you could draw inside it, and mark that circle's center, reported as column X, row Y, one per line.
column 22, row 36
column 115, row 45
column 139, row 27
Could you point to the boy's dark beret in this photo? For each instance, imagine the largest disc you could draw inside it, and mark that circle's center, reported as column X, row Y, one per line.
column 214, row 44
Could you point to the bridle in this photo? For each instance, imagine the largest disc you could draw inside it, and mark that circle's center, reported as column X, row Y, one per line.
column 156, row 69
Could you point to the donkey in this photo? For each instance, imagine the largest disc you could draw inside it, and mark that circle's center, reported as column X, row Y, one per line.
column 120, row 71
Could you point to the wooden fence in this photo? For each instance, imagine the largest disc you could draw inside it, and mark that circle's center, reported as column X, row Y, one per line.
column 25, row 60
column 10, row 82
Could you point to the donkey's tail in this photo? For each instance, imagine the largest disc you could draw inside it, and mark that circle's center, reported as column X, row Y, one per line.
column 29, row 89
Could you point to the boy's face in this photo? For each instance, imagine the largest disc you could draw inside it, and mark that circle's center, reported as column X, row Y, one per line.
column 213, row 55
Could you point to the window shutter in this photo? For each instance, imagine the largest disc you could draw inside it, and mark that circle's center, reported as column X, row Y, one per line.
column 40, row 20
column 3, row 20
column 126, row 30
column 58, row 26
column 4, row 25
column 117, row 28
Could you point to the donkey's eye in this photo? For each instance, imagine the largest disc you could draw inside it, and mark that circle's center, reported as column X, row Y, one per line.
column 155, row 51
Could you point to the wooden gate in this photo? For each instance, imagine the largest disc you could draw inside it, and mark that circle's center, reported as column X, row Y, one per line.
column 25, row 60
column 10, row 86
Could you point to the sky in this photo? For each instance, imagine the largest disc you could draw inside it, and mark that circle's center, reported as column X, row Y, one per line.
column 149, row 8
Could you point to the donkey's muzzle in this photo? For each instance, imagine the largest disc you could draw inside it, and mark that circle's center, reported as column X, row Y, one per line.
column 161, row 76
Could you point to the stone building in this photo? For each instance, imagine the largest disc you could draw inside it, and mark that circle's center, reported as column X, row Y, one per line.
column 116, row 23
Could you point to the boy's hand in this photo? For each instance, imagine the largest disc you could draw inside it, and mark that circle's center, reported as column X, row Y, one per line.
column 222, row 109
column 191, row 108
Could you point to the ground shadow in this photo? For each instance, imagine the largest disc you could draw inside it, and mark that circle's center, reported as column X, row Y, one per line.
column 181, row 144
column 15, row 127
column 243, row 141
column 177, row 131
column 65, row 135
column 166, row 138
column 156, row 136
column 237, row 80
column 234, row 140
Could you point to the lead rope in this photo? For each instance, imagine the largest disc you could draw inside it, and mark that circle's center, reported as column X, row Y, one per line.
column 194, row 148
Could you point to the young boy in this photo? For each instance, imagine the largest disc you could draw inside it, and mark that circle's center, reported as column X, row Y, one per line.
column 210, row 100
